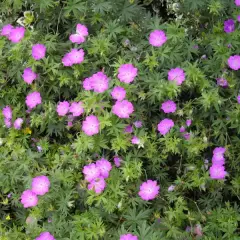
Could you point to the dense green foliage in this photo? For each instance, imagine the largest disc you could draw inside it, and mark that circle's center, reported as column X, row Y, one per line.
column 118, row 33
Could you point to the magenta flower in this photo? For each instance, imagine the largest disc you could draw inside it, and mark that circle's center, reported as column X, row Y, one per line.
column 99, row 82
column 238, row 18
column 62, row 108
column 45, row 236
column 29, row 199
column 104, row 166
column 218, row 160
column 7, row 122
column 128, row 237
column 75, row 56
column 182, row 129
column 117, row 161
column 217, row 172
column 188, row 122
column 187, row 136
column 40, row 185
column 138, row 124
column 29, row 76
column 87, row 84
column 118, row 93
column 237, row 2
column 128, row 129
column 149, row 190
column 165, row 125
column 169, row 106
column 123, row 109
column 91, row 172
column 222, row 82
column 157, row 38
column 177, row 75
column 38, row 51
column 7, row 112
column 81, row 34
column 229, row 26
column 219, row 150
column 98, row 185
column 76, row 109
column 171, row 188
column 33, row 99
column 218, row 156
column 127, row 73
column 135, row 140
column 16, row 34
column 18, row 123
column 6, row 30
column 238, row 99
column 91, row 125
column 234, row 62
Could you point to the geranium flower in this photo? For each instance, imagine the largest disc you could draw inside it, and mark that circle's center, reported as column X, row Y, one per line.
column 123, row 109
column 81, row 34
column 127, row 73
column 38, row 51
column 40, row 185
column 91, row 125
column 29, row 199
column 169, row 106
column 157, row 38
column 149, row 190
column 165, row 125
column 177, row 75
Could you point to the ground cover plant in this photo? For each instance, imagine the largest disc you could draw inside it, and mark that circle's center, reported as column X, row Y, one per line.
column 119, row 119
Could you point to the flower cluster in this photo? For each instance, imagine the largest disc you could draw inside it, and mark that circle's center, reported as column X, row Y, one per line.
column 182, row 129
column 7, row 113
column 75, row 108
column 75, row 56
column 96, row 173
column 80, row 35
column 15, row 35
column 98, row 82
column 40, row 186
column 217, row 170
column 129, row 129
